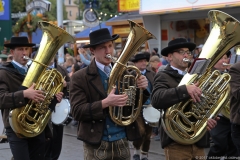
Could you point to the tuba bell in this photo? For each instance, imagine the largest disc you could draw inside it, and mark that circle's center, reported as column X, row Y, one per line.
column 30, row 120
column 186, row 121
column 137, row 36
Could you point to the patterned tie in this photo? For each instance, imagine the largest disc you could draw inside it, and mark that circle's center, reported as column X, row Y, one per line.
column 107, row 70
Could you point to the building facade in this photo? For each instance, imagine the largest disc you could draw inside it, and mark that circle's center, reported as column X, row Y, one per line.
column 72, row 9
column 168, row 20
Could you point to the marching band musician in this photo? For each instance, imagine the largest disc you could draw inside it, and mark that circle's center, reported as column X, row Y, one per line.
column 140, row 60
column 221, row 134
column 54, row 144
column 102, row 138
column 234, row 104
column 12, row 76
column 166, row 93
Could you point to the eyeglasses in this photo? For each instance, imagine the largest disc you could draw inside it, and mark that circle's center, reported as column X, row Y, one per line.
column 182, row 52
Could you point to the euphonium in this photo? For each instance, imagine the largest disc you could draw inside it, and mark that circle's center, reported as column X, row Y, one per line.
column 30, row 120
column 186, row 121
column 137, row 36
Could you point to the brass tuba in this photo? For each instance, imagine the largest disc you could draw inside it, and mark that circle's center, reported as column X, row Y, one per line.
column 186, row 121
column 30, row 120
column 137, row 36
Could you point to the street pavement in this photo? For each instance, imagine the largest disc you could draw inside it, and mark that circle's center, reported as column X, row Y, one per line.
column 73, row 149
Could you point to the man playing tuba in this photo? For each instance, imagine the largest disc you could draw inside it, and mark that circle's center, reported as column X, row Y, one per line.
column 103, row 139
column 166, row 93
column 234, row 104
column 223, row 145
column 12, row 76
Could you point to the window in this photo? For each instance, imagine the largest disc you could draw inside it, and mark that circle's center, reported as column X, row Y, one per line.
column 69, row 1
column 70, row 13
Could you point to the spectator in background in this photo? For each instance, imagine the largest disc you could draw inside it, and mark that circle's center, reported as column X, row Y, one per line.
column 78, row 59
column 3, row 58
column 75, row 68
column 197, row 51
column 69, row 62
column 85, row 57
column 67, row 55
column 165, row 62
column 155, row 63
column 155, row 52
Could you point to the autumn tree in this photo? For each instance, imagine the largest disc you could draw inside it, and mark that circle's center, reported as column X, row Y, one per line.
column 107, row 9
column 18, row 6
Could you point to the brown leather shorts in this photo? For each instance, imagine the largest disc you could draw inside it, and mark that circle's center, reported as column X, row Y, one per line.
column 107, row 150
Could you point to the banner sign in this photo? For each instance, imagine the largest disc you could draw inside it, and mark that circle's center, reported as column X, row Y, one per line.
column 128, row 5
column 168, row 6
column 19, row 15
column 45, row 5
column 4, row 10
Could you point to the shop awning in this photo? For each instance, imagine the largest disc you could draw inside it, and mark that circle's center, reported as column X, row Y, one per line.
column 122, row 20
column 36, row 36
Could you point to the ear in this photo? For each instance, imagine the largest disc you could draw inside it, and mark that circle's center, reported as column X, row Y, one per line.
column 11, row 51
column 92, row 50
column 170, row 55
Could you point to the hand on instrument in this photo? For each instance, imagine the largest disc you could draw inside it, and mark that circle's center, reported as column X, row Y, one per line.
column 32, row 94
column 114, row 100
column 194, row 91
column 142, row 82
column 59, row 96
column 211, row 123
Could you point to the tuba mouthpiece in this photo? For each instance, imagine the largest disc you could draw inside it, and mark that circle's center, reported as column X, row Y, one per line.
column 114, row 59
column 226, row 64
column 26, row 58
column 186, row 60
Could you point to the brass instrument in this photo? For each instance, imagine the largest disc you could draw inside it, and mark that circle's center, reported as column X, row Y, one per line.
column 114, row 59
column 226, row 64
column 186, row 121
column 137, row 36
column 237, row 51
column 30, row 120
